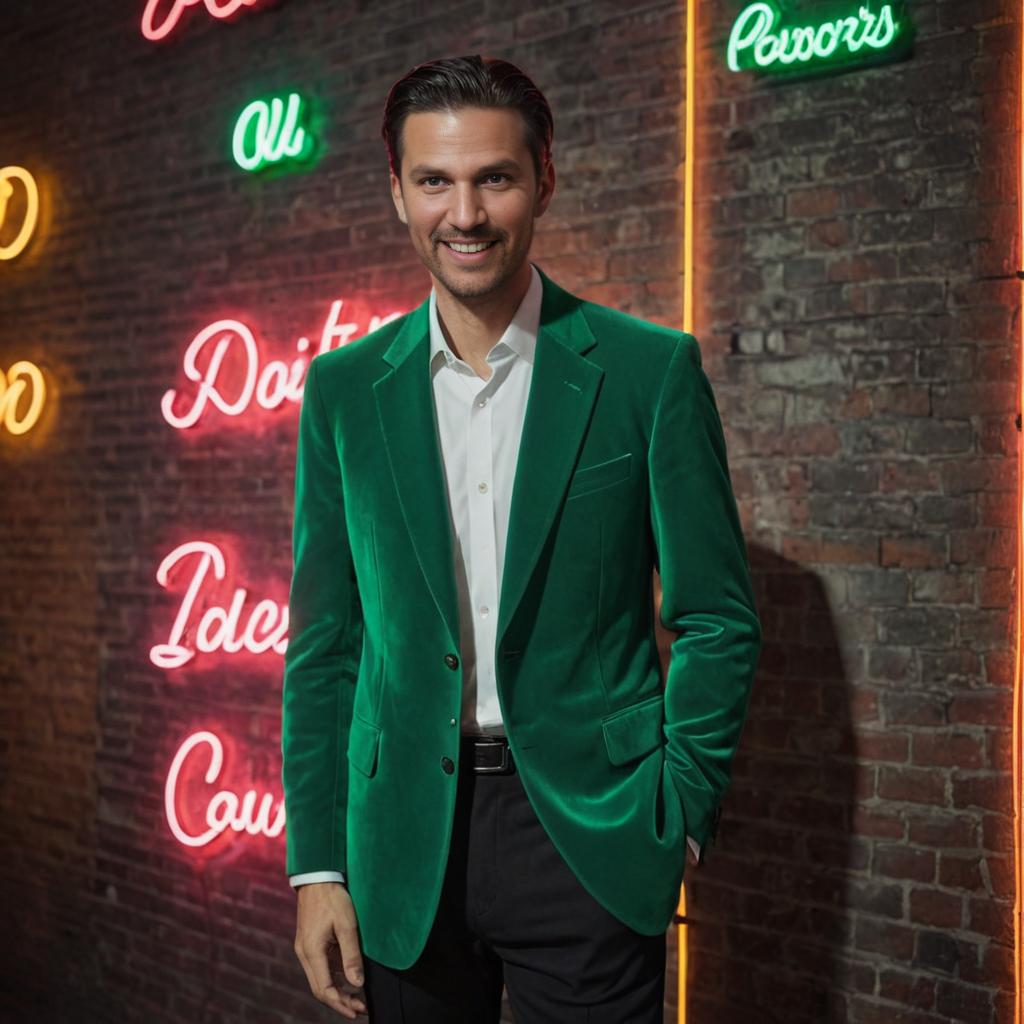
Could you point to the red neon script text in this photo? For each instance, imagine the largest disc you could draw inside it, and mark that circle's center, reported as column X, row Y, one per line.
column 218, row 630
column 174, row 11
column 225, row 809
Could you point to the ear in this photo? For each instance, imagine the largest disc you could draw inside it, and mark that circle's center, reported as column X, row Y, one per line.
column 397, row 198
column 546, row 189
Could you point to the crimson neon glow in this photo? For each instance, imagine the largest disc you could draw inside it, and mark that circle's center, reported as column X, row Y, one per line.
column 226, row 810
column 161, row 16
column 267, row 385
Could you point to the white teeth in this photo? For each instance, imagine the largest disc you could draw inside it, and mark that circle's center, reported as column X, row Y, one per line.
column 477, row 247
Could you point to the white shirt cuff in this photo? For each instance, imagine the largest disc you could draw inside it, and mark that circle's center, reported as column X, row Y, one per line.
column 316, row 876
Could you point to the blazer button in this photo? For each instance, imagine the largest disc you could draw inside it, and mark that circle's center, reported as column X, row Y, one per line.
column 451, row 661
column 448, row 765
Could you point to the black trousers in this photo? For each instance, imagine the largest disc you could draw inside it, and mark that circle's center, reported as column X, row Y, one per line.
column 513, row 913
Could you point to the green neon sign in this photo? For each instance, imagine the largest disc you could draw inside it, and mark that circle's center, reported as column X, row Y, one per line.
column 756, row 40
column 271, row 131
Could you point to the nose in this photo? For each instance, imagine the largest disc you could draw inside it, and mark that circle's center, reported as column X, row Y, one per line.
column 466, row 211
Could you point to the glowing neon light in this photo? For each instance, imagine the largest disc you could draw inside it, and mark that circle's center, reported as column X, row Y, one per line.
column 689, row 193
column 11, row 390
column 275, row 384
column 753, row 41
column 28, row 223
column 1018, row 666
column 225, row 810
column 154, row 29
column 266, row 132
column 266, row 627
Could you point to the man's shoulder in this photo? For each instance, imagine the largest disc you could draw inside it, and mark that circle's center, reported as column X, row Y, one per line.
column 363, row 353
column 635, row 336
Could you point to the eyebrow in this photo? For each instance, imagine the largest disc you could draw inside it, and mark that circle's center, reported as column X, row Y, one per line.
column 426, row 171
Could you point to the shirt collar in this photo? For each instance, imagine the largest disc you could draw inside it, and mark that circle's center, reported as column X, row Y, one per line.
column 520, row 336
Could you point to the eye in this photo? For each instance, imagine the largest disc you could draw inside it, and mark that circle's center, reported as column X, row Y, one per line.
column 436, row 177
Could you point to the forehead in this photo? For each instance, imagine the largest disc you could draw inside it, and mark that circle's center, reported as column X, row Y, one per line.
column 464, row 137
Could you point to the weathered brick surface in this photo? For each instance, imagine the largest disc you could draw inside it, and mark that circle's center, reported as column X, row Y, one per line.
column 857, row 310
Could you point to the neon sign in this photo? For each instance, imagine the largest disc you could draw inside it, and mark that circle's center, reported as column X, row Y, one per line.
column 225, row 809
column 218, row 629
column 267, row 132
column 11, row 390
column 31, row 214
column 154, row 29
column 271, row 386
column 754, row 41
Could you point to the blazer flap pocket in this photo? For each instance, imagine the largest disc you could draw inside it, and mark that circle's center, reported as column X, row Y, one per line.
column 634, row 731
column 363, row 741
column 590, row 478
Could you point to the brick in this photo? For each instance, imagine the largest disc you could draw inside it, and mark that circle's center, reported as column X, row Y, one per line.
column 858, row 311
column 904, row 862
column 935, row 908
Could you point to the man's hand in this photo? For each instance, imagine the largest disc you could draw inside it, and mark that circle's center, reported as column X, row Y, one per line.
column 326, row 920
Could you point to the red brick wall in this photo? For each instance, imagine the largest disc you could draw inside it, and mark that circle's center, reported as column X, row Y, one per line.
column 856, row 270
column 857, row 309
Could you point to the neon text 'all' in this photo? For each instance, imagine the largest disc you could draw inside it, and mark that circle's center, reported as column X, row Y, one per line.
column 270, row 132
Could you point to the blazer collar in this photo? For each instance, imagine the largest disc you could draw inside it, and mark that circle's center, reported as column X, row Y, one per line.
column 520, row 336
column 563, row 388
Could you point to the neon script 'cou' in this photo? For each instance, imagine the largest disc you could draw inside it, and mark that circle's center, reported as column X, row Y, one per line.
column 753, row 41
column 266, row 133
column 226, row 809
column 174, row 11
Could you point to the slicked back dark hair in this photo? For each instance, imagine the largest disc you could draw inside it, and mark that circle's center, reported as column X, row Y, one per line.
column 451, row 83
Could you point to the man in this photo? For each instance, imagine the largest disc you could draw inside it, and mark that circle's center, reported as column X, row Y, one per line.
column 484, row 792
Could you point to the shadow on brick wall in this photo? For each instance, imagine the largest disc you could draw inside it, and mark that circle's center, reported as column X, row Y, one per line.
column 774, row 906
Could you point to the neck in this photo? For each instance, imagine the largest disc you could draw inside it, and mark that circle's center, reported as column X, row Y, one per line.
column 473, row 329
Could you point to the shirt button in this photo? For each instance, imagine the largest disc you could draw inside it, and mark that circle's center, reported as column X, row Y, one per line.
column 481, row 487
column 484, row 610
column 451, row 661
column 453, row 722
column 482, row 402
column 448, row 765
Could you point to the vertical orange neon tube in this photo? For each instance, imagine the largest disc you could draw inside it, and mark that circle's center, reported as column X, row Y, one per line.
column 688, row 231
column 1017, row 838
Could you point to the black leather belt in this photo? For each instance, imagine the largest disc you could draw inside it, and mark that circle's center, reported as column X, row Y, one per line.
column 490, row 755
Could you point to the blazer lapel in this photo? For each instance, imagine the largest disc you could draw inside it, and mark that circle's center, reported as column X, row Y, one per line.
column 563, row 389
column 405, row 406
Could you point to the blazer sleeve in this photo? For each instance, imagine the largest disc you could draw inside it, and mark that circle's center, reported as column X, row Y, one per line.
column 321, row 661
column 707, row 593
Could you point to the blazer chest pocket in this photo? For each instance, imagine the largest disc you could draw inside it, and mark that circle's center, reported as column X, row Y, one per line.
column 631, row 732
column 599, row 476
column 363, row 741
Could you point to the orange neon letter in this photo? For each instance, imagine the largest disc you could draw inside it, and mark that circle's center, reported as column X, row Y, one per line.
column 11, row 389
column 28, row 224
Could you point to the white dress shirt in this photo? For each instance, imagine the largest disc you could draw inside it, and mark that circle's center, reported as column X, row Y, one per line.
column 480, row 423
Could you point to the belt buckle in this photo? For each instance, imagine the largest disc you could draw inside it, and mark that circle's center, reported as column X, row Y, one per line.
column 490, row 769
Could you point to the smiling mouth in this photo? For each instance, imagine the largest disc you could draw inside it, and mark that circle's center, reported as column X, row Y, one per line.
column 487, row 246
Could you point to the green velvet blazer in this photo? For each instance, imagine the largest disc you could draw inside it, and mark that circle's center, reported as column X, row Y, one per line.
column 622, row 469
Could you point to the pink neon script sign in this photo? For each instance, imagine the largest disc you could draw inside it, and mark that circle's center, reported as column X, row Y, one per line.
column 269, row 386
column 226, row 809
column 154, row 28
column 266, row 627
